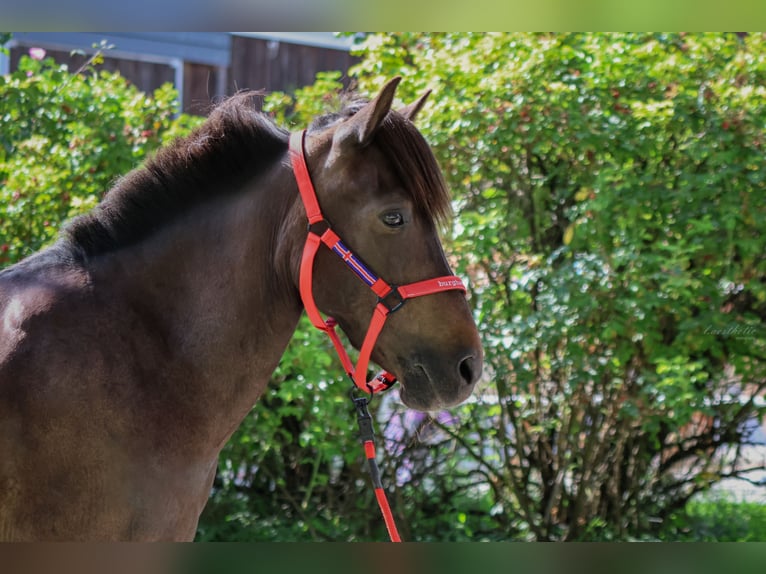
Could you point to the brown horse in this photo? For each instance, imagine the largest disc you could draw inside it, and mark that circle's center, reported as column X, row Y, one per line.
column 132, row 348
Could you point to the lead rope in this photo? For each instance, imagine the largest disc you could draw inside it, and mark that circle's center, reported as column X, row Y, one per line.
column 367, row 438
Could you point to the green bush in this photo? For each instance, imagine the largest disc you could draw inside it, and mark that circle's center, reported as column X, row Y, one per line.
column 718, row 520
column 64, row 138
column 611, row 218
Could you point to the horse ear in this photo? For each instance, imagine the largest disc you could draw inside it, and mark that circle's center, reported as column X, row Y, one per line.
column 361, row 127
column 411, row 110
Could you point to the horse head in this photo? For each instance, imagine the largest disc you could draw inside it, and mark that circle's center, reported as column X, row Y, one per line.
column 381, row 191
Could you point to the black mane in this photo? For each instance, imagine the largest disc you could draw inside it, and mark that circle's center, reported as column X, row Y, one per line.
column 235, row 143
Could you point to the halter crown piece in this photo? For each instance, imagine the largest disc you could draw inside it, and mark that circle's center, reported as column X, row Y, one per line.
column 390, row 297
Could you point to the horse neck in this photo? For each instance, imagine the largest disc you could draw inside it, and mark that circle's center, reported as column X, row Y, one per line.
column 214, row 294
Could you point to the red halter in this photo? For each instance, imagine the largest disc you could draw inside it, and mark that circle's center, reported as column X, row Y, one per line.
column 390, row 297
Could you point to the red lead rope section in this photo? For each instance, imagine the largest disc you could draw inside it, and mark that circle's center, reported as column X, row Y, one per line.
column 367, row 437
column 380, row 494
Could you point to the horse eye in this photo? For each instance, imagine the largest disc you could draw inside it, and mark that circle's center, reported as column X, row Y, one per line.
column 393, row 219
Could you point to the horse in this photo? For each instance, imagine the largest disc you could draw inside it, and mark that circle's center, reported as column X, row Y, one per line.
column 134, row 345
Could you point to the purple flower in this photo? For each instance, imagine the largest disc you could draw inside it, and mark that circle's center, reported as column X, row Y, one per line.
column 448, row 418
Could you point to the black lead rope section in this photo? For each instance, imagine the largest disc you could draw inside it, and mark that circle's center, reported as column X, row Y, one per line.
column 363, row 417
column 367, row 438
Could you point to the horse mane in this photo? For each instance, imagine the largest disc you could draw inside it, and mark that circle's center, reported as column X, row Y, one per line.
column 409, row 154
column 234, row 144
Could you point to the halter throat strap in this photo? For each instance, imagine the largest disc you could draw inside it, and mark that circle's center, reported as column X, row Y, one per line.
column 390, row 297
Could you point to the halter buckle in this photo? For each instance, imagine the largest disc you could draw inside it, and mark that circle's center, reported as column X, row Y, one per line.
column 395, row 305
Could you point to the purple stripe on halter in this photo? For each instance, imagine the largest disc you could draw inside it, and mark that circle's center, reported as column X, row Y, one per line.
column 356, row 266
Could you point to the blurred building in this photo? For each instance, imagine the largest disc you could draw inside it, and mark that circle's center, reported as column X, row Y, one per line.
column 203, row 66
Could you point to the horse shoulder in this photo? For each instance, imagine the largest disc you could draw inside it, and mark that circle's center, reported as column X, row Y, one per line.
column 75, row 456
column 36, row 304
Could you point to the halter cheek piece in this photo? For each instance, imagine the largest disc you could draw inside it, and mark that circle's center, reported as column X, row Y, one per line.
column 390, row 297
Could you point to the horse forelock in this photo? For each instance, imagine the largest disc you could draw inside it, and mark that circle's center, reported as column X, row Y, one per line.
column 415, row 165
column 234, row 144
column 409, row 155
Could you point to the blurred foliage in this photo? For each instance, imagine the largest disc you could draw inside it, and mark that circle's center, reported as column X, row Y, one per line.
column 610, row 216
column 718, row 520
column 65, row 136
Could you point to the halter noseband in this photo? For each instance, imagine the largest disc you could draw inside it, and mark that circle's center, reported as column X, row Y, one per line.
column 390, row 297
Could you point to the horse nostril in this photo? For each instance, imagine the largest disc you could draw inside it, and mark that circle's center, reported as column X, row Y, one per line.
column 467, row 370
